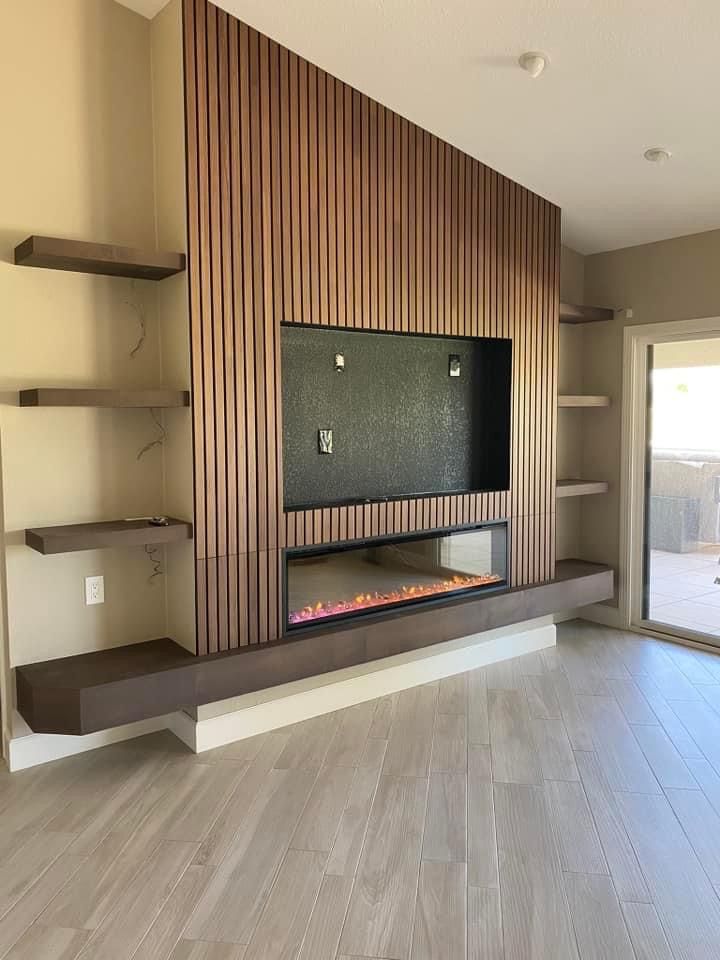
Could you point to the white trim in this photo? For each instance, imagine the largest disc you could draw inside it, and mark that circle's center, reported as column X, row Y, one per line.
column 27, row 749
column 634, row 442
column 443, row 660
column 285, row 705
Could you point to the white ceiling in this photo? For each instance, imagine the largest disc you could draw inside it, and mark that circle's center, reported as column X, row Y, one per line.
column 624, row 75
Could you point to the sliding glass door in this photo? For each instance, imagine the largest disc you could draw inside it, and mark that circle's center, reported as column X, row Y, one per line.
column 681, row 564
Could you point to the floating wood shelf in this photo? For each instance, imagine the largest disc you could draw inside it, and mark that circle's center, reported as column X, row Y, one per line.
column 55, row 253
column 580, row 488
column 95, row 691
column 574, row 313
column 71, row 397
column 109, row 533
column 583, row 401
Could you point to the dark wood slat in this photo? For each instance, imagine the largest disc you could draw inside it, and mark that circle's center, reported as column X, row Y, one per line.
column 81, row 256
column 107, row 533
column 82, row 694
column 575, row 313
column 78, row 397
column 310, row 203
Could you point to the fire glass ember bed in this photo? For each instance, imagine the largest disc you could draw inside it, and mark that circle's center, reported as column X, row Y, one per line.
column 332, row 583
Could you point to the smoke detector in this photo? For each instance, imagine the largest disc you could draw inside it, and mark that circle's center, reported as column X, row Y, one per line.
column 657, row 155
column 533, row 63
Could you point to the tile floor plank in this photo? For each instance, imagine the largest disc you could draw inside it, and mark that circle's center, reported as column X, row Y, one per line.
column 28, row 908
column 578, row 843
column 284, row 920
column 229, row 909
column 482, row 844
column 326, row 921
column 686, row 903
column 19, row 872
column 478, row 722
column 485, row 934
column 167, row 928
column 449, row 747
column 308, row 743
column 320, row 819
column 665, row 762
column 619, row 854
column 646, row 932
column 122, row 931
column 347, row 745
column 620, row 756
column 453, row 694
column 410, row 742
column 536, row 922
column 514, row 757
column 633, row 704
column 597, row 918
column 577, row 729
column 669, row 720
column 701, row 825
column 350, row 838
column 542, row 700
column 382, row 906
column 48, row 943
column 554, row 751
column 189, row 950
column 440, row 916
column 445, row 823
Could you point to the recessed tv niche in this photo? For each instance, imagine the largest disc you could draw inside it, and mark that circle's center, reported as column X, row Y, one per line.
column 376, row 416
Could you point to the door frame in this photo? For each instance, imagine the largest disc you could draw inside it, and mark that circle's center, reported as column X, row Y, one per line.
column 633, row 507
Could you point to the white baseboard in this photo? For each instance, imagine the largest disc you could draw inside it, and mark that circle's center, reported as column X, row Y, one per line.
column 604, row 615
column 387, row 676
column 292, row 703
column 27, row 749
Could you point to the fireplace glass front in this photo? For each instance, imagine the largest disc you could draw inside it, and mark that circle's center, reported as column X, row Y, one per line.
column 329, row 583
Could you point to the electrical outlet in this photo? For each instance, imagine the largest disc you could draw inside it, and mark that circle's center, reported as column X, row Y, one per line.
column 94, row 590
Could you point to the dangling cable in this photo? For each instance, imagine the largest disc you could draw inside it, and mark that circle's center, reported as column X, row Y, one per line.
column 139, row 310
column 156, row 562
column 159, row 441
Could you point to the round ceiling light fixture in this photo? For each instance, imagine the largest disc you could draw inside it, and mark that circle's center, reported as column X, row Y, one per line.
column 533, row 63
column 657, row 155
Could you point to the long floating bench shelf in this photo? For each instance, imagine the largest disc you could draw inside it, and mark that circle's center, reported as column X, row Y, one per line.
column 583, row 401
column 95, row 691
column 580, row 488
column 79, row 256
column 109, row 533
column 575, row 313
column 72, row 397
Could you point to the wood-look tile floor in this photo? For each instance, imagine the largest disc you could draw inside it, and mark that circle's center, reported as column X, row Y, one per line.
column 561, row 805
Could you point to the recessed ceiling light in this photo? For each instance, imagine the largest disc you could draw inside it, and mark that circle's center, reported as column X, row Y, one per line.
column 533, row 63
column 657, row 155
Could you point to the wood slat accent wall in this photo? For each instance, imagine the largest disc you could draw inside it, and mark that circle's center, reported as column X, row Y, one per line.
column 310, row 203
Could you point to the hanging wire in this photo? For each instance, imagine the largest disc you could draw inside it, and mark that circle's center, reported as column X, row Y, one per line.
column 139, row 309
column 158, row 441
column 152, row 552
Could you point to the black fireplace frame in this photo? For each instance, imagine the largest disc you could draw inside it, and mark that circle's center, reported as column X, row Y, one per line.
column 381, row 613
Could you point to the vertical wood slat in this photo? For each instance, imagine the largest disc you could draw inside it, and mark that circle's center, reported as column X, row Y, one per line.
column 310, row 203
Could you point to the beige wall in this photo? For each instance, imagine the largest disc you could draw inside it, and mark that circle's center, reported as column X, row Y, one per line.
column 672, row 280
column 172, row 306
column 76, row 96
column 570, row 422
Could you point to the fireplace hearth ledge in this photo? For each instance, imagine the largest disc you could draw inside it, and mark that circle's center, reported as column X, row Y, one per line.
column 88, row 694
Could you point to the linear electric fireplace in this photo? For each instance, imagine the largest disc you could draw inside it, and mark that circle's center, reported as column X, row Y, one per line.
column 332, row 583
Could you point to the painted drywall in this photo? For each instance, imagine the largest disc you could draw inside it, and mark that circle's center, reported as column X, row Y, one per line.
column 171, row 295
column 571, row 423
column 672, row 280
column 77, row 161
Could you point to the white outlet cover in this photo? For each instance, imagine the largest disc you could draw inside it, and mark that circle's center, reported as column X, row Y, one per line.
column 94, row 590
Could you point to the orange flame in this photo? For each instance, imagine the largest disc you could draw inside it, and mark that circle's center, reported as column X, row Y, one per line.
column 320, row 609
